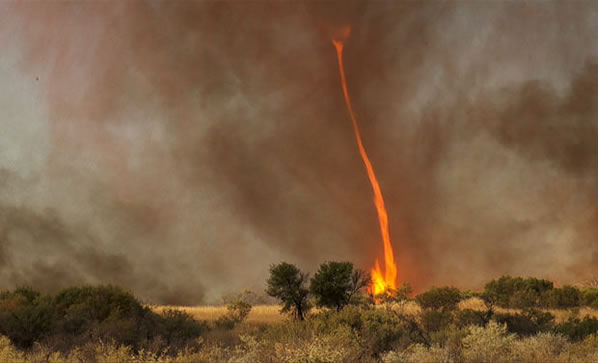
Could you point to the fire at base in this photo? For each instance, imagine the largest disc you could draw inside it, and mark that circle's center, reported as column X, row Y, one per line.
column 381, row 282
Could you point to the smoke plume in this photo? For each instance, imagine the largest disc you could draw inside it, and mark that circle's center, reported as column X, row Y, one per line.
column 180, row 148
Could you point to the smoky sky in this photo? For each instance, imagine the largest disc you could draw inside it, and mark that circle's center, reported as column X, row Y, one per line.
column 180, row 148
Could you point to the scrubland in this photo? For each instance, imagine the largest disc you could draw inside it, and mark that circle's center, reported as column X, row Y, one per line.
column 510, row 321
column 259, row 314
column 356, row 334
column 268, row 314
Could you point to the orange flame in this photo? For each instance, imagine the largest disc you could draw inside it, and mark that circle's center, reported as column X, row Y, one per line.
column 388, row 280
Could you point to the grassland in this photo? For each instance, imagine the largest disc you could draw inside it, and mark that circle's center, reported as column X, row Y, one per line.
column 268, row 314
column 265, row 314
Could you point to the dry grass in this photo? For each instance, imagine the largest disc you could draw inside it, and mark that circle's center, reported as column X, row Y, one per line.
column 559, row 315
column 267, row 314
column 263, row 314
column 406, row 307
column 259, row 314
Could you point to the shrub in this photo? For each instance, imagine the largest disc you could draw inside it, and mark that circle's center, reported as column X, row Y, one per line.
column 440, row 298
column 96, row 303
column 339, row 346
column 103, row 313
column 543, row 347
column 528, row 323
column 80, row 316
column 378, row 329
column 487, row 344
column 516, row 292
column 577, row 330
column 351, row 316
column 381, row 331
column 418, row 353
column 467, row 317
column 237, row 312
column 590, row 297
column 524, row 299
column 435, row 320
column 451, row 339
column 563, row 298
column 178, row 328
column 26, row 316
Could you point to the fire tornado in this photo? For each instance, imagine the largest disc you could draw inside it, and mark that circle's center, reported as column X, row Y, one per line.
column 380, row 282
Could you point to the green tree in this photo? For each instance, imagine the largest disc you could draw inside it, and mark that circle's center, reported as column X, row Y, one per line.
column 335, row 284
column 288, row 284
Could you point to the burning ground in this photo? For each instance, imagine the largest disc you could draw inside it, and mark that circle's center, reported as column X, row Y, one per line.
column 178, row 149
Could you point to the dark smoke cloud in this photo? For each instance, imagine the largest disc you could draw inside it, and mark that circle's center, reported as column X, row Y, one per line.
column 179, row 148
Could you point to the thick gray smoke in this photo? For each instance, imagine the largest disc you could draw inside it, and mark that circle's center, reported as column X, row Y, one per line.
column 180, row 148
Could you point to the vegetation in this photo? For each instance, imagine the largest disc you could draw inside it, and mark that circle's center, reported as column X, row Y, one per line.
column 79, row 315
column 442, row 324
column 442, row 299
column 237, row 312
column 337, row 284
column 288, row 284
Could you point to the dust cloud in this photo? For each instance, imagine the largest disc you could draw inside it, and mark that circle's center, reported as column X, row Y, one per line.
column 180, row 148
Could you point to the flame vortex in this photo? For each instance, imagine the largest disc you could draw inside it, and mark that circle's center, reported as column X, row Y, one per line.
column 387, row 281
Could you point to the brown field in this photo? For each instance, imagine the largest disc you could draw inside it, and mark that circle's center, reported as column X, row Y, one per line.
column 258, row 314
column 267, row 314
column 559, row 315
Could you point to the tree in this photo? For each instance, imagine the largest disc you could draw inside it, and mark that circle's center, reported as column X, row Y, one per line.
column 287, row 284
column 336, row 283
column 359, row 281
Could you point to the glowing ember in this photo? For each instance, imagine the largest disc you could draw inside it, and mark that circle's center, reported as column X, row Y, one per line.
column 380, row 282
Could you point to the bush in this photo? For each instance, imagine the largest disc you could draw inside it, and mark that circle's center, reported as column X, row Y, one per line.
column 564, row 298
column 516, row 292
column 543, row 347
column 378, row 329
column 237, row 312
column 451, row 339
column 351, row 317
column 525, row 299
column 467, row 317
column 26, row 316
column 435, row 320
column 577, row 330
column 440, row 298
column 103, row 313
column 382, row 330
column 80, row 316
column 491, row 343
column 530, row 322
column 179, row 329
column 590, row 297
